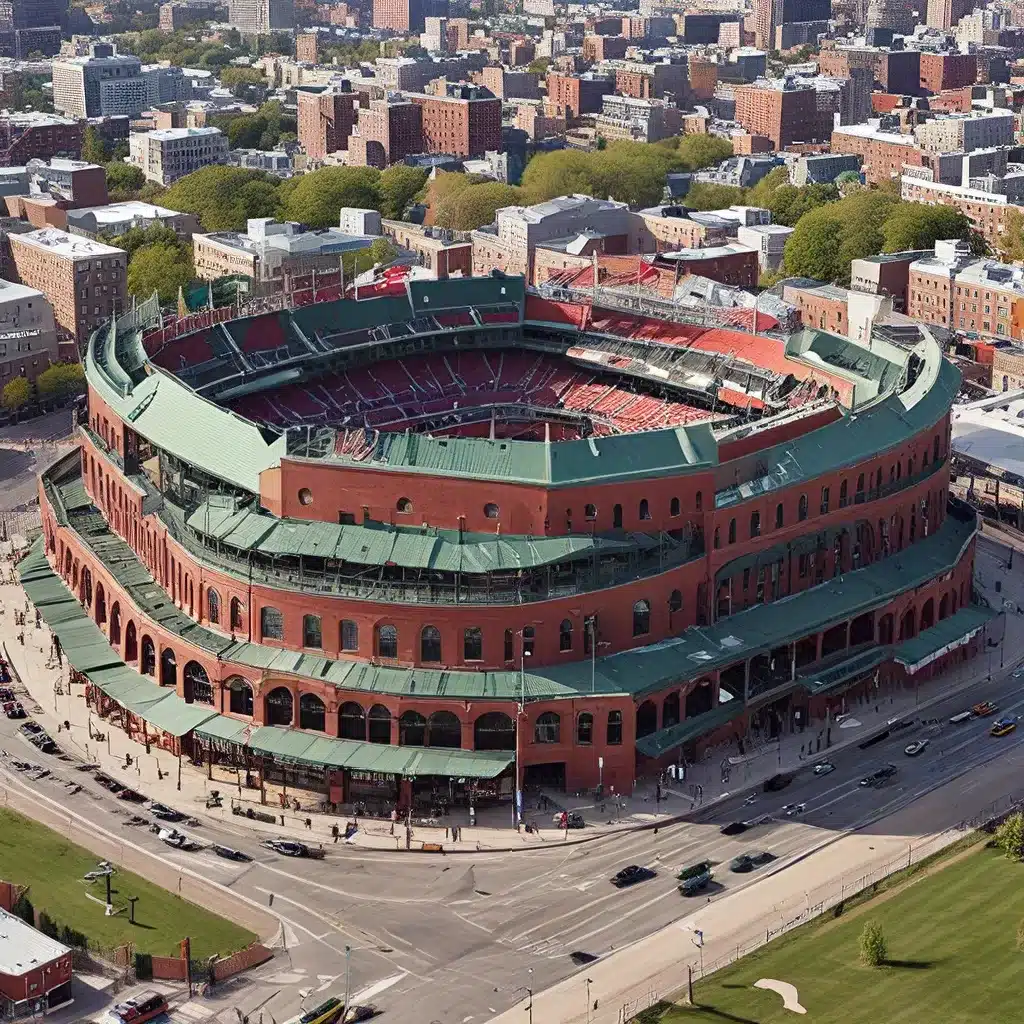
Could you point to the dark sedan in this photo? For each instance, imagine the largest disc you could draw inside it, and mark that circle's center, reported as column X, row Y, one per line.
column 749, row 861
column 631, row 875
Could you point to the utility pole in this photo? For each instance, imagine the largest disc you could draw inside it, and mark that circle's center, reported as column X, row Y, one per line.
column 348, row 977
column 689, row 984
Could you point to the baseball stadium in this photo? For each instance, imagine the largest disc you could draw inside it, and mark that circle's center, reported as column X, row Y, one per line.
column 467, row 533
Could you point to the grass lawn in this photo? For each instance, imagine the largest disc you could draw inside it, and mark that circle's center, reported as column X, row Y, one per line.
column 33, row 855
column 952, row 952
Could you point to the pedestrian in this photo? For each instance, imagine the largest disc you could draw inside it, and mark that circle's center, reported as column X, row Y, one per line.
column 394, row 819
column 455, row 833
column 334, row 832
column 309, row 824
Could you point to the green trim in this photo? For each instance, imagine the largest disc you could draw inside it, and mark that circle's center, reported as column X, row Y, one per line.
column 661, row 742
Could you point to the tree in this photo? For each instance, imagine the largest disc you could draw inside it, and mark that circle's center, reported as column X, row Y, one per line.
column 221, row 198
column 61, row 380
column 699, row 151
column 135, row 238
column 243, row 81
column 17, row 393
column 397, row 187
column 160, row 268
column 382, row 251
column 23, row 908
column 318, row 197
column 1010, row 836
column 539, row 65
column 94, row 149
column 705, row 195
column 1012, row 242
column 918, row 226
column 443, row 185
column 475, row 206
column 873, row 947
column 124, row 179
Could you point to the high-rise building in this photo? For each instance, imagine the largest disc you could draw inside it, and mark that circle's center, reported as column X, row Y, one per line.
column 168, row 154
column 407, row 15
column 897, row 15
column 772, row 15
column 943, row 14
column 788, row 111
column 257, row 17
column 25, row 14
column 307, row 47
column 326, row 119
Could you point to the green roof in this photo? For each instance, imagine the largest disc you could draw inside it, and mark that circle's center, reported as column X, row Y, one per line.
column 661, row 742
column 943, row 636
column 856, row 663
column 382, row 544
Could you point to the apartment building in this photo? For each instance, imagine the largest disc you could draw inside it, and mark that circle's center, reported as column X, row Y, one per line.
column 788, row 111
column 955, row 133
column 985, row 210
column 116, row 218
column 31, row 135
column 661, row 80
column 578, row 94
column 930, row 294
column 988, row 298
column 28, row 334
column 326, row 119
column 83, row 280
column 387, row 132
column 884, row 155
column 258, row 17
column 649, row 120
column 886, row 274
column 104, row 82
column 407, row 15
column 507, row 85
column 465, row 121
column 307, row 47
column 167, row 154
column 941, row 71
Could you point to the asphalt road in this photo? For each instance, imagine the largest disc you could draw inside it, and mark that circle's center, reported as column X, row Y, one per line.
column 460, row 937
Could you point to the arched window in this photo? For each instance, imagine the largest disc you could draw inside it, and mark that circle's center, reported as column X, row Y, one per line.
column 312, row 634
column 378, row 724
column 565, row 635
column 842, row 494
column 101, row 605
column 404, row 506
column 674, row 507
column 491, row 510
column 444, row 730
column 212, row 606
column 236, row 613
column 732, row 531
column 646, row 719
column 700, row 502
column 197, row 684
column 780, row 516
column 802, row 511
column 641, row 618
column 430, row 644
column 878, row 479
column 271, row 624
column 617, row 517
column 349, row 635
column 312, row 713
column 510, row 645
column 351, row 721
column 860, row 488
column 115, row 623
column 675, row 601
column 277, row 706
column 387, row 642
column 645, row 509
column 168, row 668
column 755, row 524
column 494, row 730
column 473, row 644
column 412, row 730
column 585, row 728
column 131, row 644
column 548, row 728
column 239, row 696
column 590, row 512
column 613, row 734
column 670, row 710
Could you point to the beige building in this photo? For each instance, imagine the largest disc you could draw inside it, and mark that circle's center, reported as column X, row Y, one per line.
column 85, row 281
column 964, row 133
column 444, row 253
column 28, row 335
column 168, row 154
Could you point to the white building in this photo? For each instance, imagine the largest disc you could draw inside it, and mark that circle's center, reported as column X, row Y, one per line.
column 117, row 218
column 257, row 17
column 28, row 335
column 355, row 221
column 168, row 154
column 768, row 239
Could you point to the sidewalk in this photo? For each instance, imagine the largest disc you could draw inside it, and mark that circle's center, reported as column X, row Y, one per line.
column 156, row 774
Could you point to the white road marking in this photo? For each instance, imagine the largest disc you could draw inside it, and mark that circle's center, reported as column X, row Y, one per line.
column 381, row 986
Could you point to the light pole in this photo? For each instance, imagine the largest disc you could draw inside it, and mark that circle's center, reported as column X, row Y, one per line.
column 529, row 992
column 589, row 983
column 348, row 978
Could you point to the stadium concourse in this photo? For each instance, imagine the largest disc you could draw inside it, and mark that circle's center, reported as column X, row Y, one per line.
column 463, row 540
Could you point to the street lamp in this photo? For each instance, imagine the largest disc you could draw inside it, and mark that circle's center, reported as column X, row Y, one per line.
column 589, row 983
column 348, row 977
column 517, row 796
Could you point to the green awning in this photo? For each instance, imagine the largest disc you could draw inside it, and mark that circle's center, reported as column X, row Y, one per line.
column 222, row 729
column 824, row 679
column 944, row 636
column 661, row 742
column 175, row 717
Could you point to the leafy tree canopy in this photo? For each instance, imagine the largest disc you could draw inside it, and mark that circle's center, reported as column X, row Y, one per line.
column 695, row 152
column 397, row 188
column 475, row 206
column 704, row 195
column 160, row 267
column 224, row 198
column 16, row 393
column 62, row 380
column 124, row 180
column 316, row 198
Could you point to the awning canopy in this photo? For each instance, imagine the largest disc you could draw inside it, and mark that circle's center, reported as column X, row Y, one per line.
column 944, row 636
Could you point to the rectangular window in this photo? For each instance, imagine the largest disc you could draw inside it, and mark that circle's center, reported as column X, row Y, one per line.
column 311, row 632
column 824, row 500
column 271, row 624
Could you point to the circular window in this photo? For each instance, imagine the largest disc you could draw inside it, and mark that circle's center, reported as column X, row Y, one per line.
column 404, row 505
column 305, row 496
column 491, row 510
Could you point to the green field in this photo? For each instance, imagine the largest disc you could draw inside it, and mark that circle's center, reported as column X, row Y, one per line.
column 952, row 949
column 33, row 855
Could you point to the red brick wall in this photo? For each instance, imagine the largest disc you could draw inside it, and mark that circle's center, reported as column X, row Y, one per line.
column 7, row 896
column 170, row 968
column 252, row 956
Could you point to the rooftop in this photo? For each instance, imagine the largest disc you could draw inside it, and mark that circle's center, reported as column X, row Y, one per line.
column 71, row 246
column 116, row 213
column 23, row 949
column 175, row 134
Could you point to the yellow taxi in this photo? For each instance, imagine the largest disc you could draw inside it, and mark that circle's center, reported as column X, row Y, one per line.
column 1003, row 726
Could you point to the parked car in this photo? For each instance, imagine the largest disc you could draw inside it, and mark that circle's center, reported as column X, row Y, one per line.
column 915, row 748
column 138, row 1009
column 823, row 768
column 14, row 709
column 631, row 875
column 749, row 861
column 165, row 813
column 1003, row 726
column 177, row 840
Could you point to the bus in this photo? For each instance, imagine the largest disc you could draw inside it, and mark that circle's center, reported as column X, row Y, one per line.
column 328, row 1012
